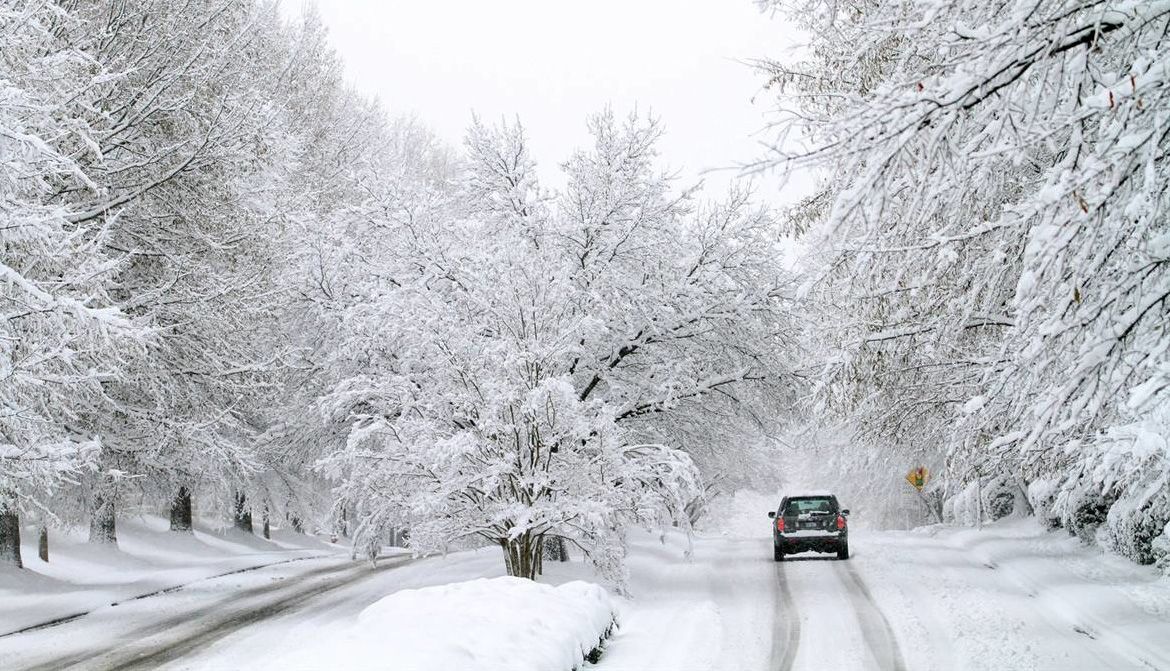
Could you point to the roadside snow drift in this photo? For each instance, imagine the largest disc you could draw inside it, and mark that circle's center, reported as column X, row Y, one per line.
column 488, row 624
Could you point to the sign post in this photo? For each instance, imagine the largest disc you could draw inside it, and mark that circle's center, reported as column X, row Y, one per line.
column 918, row 477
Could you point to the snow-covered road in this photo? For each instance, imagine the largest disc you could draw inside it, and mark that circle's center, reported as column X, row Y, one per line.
column 148, row 633
column 734, row 608
column 1011, row 596
column 827, row 603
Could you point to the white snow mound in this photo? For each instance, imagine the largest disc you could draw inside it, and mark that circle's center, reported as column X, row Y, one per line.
column 486, row 624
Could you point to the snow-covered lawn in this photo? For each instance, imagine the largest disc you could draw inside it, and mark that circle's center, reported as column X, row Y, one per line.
column 80, row 576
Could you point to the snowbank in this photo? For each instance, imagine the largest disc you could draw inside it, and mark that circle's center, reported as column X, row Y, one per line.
column 487, row 624
column 1014, row 595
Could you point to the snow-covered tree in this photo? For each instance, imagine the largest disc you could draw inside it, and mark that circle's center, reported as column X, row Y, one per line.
column 519, row 368
column 181, row 138
column 153, row 198
column 62, row 335
column 359, row 178
column 991, row 241
column 183, row 186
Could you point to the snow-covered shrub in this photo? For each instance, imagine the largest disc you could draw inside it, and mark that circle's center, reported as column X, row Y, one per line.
column 1041, row 495
column 964, row 508
column 948, row 511
column 1132, row 461
column 1161, row 550
column 999, row 497
column 935, row 497
column 1131, row 532
column 1086, row 515
column 984, row 501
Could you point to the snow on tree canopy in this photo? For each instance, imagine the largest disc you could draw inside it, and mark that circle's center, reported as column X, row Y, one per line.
column 993, row 227
column 530, row 370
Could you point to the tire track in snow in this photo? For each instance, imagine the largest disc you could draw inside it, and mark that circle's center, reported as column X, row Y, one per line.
column 148, row 648
column 875, row 628
column 785, row 626
column 153, row 659
column 66, row 619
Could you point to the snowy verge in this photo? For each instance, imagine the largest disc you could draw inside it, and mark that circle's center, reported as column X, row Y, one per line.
column 149, row 560
column 1014, row 595
column 486, row 624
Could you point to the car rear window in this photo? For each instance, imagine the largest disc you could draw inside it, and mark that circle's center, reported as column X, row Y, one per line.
column 810, row 504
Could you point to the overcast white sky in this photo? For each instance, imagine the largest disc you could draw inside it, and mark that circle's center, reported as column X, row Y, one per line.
column 553, row 62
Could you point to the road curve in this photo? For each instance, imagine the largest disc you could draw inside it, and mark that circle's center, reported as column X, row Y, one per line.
column 151, row 646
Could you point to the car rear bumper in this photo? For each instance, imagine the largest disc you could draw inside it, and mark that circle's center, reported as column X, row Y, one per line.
column 805, row 541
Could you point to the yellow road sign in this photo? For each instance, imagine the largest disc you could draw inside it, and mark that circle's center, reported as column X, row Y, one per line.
column 917, row 477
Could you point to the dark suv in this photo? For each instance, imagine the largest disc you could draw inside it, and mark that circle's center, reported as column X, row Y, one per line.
column 810, row 522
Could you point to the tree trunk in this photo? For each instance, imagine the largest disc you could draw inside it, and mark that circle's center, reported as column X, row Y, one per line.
column 554, row 549
column 102, row 526
column 520, row 556
column 1023, row 507
column 296, row 524
column 979, row 502
column 9, row 537
column 267, row 529
column 242, row 513
column 509, row 558
column 397, row 537
column 43, row 544
column 181, row 511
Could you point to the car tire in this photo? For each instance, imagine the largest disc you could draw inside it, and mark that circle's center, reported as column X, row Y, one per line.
column 843, row 551
column 777, row 553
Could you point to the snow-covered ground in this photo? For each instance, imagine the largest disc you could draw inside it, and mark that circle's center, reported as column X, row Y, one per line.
column 80, row 576
column 489, row 623
column 294, row 637
column 1013, row 595
column 1009, row 596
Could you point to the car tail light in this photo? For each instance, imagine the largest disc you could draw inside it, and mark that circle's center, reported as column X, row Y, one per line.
column 779, row 524
column 840, row 522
